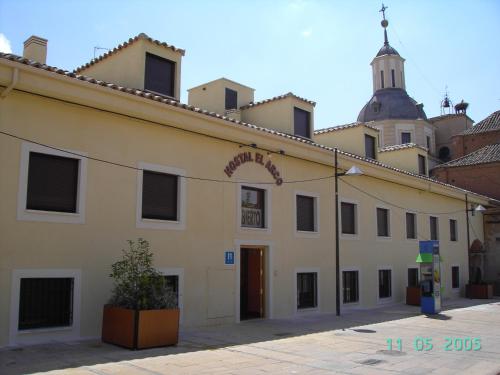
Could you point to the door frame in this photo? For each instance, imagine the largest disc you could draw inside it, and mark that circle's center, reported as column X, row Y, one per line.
column 268, row 275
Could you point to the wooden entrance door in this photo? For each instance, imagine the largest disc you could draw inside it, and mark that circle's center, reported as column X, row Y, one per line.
column 252, row 283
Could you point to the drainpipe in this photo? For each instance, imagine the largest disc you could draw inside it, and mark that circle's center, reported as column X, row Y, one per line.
column 8, row 89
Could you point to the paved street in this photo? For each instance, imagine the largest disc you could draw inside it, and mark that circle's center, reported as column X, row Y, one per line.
column 356, row 343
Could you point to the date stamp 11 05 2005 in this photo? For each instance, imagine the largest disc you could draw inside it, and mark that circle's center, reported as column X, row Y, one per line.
column 448, row 344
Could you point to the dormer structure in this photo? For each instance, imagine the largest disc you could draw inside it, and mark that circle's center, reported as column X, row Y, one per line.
column 142, row 63
column 222, row 96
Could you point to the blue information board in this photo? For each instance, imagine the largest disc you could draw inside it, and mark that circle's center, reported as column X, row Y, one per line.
column 229, row 257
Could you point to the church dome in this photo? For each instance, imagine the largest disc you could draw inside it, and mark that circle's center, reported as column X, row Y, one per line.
column 387, row 50
column 391, row 103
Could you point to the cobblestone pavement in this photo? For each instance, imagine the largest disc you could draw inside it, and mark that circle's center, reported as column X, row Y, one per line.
column 355, row 343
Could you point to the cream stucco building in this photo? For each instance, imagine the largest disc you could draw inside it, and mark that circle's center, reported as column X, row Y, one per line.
column 107, row 153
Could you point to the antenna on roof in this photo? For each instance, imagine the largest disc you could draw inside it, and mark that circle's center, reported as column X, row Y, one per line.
column 96, row 48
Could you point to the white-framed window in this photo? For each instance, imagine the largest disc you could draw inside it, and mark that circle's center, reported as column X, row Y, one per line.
column 383, row 222
column 349, row 218
column 350, row 286
column 52, row 185
column 307, row 289
column 45, row 305
column 453, row 230
column 434, row 227
column 161, row 197
column 405, row 133
column 174, row 278
column 385, row 279
column 254, row 207
column 306, row 213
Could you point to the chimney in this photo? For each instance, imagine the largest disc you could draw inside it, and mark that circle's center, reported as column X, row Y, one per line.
column 35, row 48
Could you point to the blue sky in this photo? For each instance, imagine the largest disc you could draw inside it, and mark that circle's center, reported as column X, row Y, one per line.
column 318, row 49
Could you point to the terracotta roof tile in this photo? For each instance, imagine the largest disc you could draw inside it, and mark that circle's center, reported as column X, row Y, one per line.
column 342, row 127
column 289, row 94
column 170, row 102
column 490, row 123
column 125, row 45
column 487, row 154
column 402, row 147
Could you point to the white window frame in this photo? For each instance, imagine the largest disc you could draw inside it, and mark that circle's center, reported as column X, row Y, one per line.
column 454, row 290
column 267, row 208
column 347, row 236
column 179, row 272
column 438, row 232
column 315, row 270
column 302, row 233
column 405, row 128
column 350, row 304
column 456, row 229
column 39, row 335
column 179, row 224
column 383, row 238
column 386, row 299
column 24, row 214
column 416, row 226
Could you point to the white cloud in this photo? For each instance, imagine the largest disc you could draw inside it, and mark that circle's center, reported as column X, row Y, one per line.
column 4, row 44
column 306, row 33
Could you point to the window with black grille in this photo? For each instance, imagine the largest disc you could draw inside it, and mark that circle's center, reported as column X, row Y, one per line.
column 422, row 167
column 453, row 230
column 411, row 226
column 413, row 277
column 159, row 75
column 45, row 303
column 305, row 213
column 383, row 222
column 307, row 290
column 52, row 183
column 384, row 284
column 405, row 137
column 348, row 217
column 159, row 196
column 252, row 207
column 231, row 99
column 433, row 222
column 302, row 122
column 370, row 146
column 350, row 285
column 455, row 277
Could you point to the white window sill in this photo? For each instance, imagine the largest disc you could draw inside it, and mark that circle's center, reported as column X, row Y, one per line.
column 160, row 224
column 307, row 310
column 51, row 216
column 382, row 301
column 252, row 229
column 347, row 236
column 44, row 330
column 306, row 234
column 384, row 239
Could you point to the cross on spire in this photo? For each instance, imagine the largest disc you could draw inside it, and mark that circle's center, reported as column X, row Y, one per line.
column 384, row 24
column 383, row 10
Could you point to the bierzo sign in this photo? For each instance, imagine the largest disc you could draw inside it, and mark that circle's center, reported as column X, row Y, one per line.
column 257, row 158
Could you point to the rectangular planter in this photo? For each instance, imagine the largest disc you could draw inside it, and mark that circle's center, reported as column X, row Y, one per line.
column 413, row 295
column 140, row 329
column 479, row 291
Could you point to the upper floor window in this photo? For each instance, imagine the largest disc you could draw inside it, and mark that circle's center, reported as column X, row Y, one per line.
column 159, row 196
column 302, row 122
column 434, row 230
column 231, row 99
column 382, row 79
column 383, row 222
column 428, row 140
column 348, row 218
column 405, row 137
column 393, row 78
column 52, row 183
column 411, row 225
column 370, row 146
column 159, row 75
column 252, row 207
column 422, row 167
column 453, row 230
column 306, row 213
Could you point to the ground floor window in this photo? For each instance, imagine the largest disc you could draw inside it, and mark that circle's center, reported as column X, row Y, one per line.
column 350, row 283
column 384, row 284
column 413, row 277
column 307, row 290
column 455, row 277
column 172, row 284
column 46, row 302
